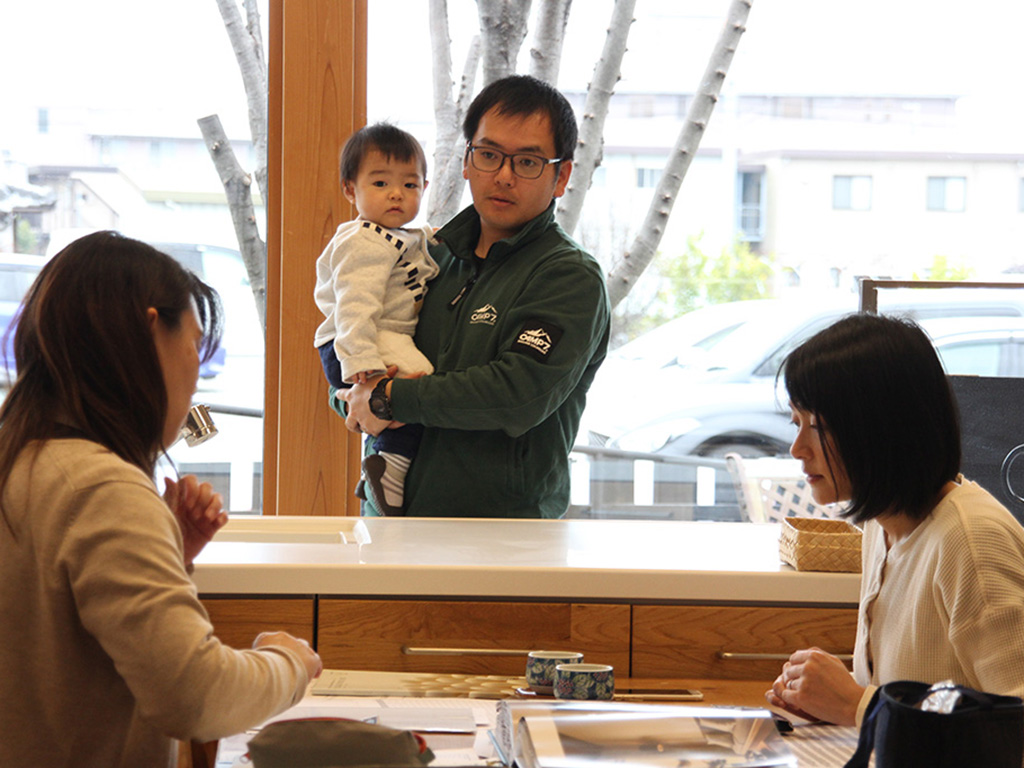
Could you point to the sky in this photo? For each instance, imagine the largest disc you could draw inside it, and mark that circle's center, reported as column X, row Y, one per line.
column 178, row 56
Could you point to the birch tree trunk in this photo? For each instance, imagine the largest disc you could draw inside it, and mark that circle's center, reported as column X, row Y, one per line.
column 546, row 52
column 590, row 150
column 247, row 44
column 503, row 27
column 625, row 273
column 238, row 188
column 446, row 183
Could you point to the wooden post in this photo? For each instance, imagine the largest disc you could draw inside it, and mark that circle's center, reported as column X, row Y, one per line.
column 317, row 81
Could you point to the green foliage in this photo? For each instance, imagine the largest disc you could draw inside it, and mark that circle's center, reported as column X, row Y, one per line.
column 943, row 269
column 691, row 280
column 25, row 240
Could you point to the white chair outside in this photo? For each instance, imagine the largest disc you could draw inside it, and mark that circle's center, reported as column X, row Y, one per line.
column 771, row 489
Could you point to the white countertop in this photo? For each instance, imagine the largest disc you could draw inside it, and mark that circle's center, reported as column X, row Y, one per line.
column 530, row 559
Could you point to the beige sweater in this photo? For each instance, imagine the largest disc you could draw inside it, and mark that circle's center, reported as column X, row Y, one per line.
column 947, row 601
column 105, row 650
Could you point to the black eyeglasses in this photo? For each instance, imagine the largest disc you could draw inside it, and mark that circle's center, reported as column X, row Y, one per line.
column 524, row 165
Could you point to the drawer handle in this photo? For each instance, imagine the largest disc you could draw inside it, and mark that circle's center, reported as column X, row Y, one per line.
column 409, row 650
column 729, row 656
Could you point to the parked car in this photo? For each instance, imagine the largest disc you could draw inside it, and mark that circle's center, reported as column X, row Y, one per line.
column 17, row 272
column 719, row 395
column 221, row 267
column 224, row 269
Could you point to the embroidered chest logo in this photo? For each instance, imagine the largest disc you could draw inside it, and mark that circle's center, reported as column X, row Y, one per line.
column 537, row 339
column 487, row 315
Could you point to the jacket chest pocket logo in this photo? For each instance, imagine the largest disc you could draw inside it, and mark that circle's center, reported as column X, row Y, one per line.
column 485, row 315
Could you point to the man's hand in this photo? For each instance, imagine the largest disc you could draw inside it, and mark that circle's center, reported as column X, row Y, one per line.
column 359, row 418
column 199, row 511
column 816, row 685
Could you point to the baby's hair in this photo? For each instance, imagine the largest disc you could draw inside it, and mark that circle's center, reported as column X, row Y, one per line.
column 389, row 140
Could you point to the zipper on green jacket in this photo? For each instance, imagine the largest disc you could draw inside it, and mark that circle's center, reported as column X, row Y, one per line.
column 467, row 287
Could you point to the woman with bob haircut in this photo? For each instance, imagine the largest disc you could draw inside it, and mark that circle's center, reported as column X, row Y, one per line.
column 106, row 653
column 942, row 585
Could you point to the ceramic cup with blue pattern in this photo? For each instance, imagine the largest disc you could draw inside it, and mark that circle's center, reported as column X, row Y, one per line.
column 540, row 667
column 584, row 681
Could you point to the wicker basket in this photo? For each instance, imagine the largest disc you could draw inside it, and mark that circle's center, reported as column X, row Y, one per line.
column 814, row 544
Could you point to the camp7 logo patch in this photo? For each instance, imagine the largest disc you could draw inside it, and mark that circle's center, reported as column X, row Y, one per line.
column 537, row 339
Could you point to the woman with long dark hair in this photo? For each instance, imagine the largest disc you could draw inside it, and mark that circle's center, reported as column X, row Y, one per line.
column 942, row 584
column 106, row 653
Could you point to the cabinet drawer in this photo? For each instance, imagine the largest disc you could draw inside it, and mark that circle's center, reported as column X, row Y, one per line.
column 453, row 636
column 689, row 641
column 237, row 621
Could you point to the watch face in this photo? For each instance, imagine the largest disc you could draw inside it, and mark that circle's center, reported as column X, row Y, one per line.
column 379, row 405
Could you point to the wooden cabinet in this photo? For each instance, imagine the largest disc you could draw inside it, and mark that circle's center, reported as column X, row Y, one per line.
column 466, row 636
column 700, row 641
column 237, row 621
column 492, row 637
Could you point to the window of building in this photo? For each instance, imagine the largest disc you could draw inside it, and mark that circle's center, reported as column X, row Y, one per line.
column 648, row 177
column 947, row 193
column 851, row 193
column 751, row 206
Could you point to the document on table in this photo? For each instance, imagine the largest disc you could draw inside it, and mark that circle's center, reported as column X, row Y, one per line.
column 455, row 729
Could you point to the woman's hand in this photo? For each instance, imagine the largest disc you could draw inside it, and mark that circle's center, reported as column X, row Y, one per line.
column 200, row 512
column 817, row 686
column 310, row 659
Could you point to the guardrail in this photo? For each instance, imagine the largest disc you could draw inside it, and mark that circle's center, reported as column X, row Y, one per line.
column 606, row 482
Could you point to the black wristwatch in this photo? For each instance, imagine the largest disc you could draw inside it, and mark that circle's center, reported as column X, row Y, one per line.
column 380, row 403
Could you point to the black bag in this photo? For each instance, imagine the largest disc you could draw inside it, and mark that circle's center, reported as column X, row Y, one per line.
column 983, row 730
column 331, row 742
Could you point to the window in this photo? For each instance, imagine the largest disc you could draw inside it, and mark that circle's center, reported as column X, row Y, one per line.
column 980, row 358
column 101, row 140
column 851, row 193
column 947, row 193
column 648, row 177
column 751, row 206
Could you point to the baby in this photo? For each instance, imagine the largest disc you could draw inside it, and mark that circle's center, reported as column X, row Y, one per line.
column 370, row 283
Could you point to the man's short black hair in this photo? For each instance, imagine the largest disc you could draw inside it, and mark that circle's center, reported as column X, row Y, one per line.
column 521, row 96
column 389, row 140
column 878, row 392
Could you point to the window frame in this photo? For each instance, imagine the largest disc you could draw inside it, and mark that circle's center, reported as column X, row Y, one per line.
column 852, row 182
column 317, row 92
column 931, row 186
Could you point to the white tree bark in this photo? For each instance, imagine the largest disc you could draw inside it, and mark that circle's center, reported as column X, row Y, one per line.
column 238, row 188
column 503, row 27
column 247, row 44
column 446, row 183
column 546, row 52
column 590, row 150
column 624, row 274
